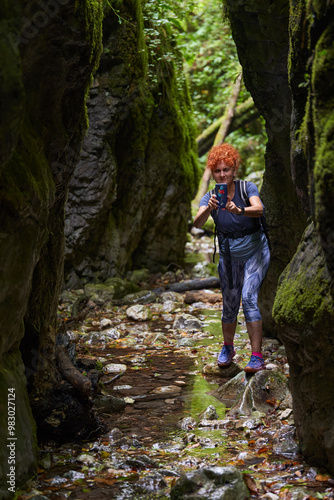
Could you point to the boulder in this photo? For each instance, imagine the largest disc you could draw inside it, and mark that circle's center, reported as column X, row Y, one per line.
column 263, row 391
column 230, row 392
column 139, row 312
column 187, row 322
column 223, row 483
column 212, row 369
column 142, row 297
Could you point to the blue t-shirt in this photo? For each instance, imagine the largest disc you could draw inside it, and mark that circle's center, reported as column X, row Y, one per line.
column 241, row 248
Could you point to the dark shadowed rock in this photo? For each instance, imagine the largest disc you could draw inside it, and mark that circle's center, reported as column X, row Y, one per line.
column 304, row 310
column 223, row 483
column 45, row 75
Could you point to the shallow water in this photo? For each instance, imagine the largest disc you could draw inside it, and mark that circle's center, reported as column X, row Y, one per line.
column 151, row 427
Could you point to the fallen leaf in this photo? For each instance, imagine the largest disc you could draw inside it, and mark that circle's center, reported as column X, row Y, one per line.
column 250, row 483
column 322, row 477
column 104, row 480
column 196, row 445
column 263, row 449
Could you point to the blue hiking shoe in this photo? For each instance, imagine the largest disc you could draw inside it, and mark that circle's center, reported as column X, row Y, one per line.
column 226, row 355
column 255, row 365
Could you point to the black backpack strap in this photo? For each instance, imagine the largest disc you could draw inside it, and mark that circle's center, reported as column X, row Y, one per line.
column 265, row 230
column 212, row 191
column 241, row 186
column 215, row 246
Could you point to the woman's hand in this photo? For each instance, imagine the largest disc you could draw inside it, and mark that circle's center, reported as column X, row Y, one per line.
column 231, row 206
column 255, row 209
column 213, row 203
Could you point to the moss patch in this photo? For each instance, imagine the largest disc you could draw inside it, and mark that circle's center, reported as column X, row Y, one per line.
column 303, row 298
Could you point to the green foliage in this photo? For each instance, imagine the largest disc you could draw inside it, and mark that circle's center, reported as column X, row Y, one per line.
column 211, row 61
column 165, row 58
column 192, row 41
column 112, row 5
column 210, row 65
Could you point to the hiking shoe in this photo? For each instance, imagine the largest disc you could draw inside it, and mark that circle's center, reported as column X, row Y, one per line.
column 226, row 355
column 255, row 365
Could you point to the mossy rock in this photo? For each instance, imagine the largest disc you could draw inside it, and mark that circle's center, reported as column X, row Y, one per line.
column 142, row 297
column 112, row 289
column 23, row 450
column 138, row 276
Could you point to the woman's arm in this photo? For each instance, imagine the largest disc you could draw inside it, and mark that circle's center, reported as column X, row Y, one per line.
column 254, row 210
column 203, row 213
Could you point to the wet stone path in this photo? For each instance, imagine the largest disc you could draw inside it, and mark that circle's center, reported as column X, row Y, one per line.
column 155, row 368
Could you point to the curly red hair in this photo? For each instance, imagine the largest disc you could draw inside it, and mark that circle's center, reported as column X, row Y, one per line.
column 223, row 152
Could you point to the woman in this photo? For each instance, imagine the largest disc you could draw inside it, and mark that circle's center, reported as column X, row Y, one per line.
column 243, row 250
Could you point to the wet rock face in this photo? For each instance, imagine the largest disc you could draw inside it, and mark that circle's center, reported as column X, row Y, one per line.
column 304, row 302
column 130, row 195
column 304, row 312
column 46, row 63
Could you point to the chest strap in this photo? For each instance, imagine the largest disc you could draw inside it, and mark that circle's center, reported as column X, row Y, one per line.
column 239, row 234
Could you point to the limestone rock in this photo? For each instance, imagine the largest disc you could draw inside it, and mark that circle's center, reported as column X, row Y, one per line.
column 135, row 134
column 142, row 297
column 114, row 368
column 139, row 312
column 188, row 423
column 187, row 322
column 167, row 390
column 46, row 69
column 262, row 391
column 185, row 343
column 172, row 297
column 305, row 313
column 210, row 413
column 230, row 392
column 105, row 322
column 170, row 306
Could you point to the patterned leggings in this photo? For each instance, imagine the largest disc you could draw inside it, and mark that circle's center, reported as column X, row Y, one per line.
column 248, row 276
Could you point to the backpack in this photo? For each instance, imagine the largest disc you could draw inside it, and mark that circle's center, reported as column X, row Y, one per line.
column 241, row 186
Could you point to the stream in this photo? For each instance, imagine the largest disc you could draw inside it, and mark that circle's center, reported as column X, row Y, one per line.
column 159, row 418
